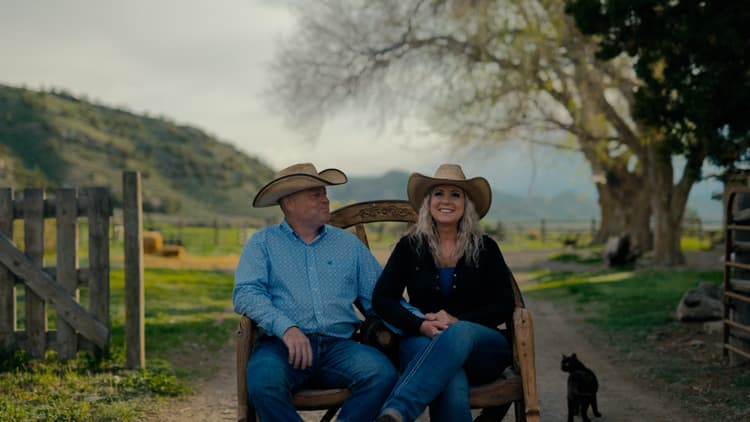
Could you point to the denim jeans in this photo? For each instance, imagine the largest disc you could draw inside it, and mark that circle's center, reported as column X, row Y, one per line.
column 337, row 363
column 440, row 370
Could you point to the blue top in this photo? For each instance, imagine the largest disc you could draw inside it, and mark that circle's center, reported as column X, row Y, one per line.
column 446, row 280
column 281, row 281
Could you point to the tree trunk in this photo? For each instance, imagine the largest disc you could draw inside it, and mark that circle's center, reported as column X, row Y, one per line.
column 625, row 209
column 668, row 201
column 667, row 232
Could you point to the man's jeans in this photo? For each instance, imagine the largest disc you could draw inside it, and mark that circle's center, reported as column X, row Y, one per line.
column 439, row 371
column 337, row 363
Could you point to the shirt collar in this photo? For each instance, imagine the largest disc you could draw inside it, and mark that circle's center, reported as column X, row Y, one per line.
column 286, row 228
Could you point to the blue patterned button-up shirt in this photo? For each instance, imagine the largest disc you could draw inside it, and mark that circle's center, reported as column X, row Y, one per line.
column 281, row 281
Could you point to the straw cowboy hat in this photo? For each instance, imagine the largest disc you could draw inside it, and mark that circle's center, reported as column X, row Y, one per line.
column 295, row 178
column 476, row 188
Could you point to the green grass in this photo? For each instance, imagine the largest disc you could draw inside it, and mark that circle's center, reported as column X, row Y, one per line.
column 623, row 301
column 185, row 311
column 631, row 309
column 693, row 243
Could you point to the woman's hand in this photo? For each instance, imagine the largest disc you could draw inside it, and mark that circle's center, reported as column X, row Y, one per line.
column 441, row 316
column 432, row 328
column 436, row 322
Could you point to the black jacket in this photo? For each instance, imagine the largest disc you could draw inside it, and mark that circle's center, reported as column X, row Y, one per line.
column 480, row 294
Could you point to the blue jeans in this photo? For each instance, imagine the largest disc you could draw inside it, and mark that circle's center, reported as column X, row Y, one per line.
column 337, row 363
column 440, row 370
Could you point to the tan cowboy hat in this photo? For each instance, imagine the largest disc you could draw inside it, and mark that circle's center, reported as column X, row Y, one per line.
column 476, row 188
column 295, row 178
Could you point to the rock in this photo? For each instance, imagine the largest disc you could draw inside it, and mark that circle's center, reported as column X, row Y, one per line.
column 702, row 303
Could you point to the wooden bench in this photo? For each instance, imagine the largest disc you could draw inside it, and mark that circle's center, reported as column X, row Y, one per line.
column 517, row 386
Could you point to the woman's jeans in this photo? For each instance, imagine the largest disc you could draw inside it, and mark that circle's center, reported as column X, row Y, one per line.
column 439, row 371
column 337, row 363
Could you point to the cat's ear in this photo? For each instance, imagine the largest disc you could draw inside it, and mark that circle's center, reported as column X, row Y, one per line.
column 573, row 355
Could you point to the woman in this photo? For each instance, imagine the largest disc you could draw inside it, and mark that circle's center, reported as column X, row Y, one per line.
column 458, row 281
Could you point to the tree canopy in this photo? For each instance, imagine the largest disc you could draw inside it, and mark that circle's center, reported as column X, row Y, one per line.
column 693, row 57
column 483, row 71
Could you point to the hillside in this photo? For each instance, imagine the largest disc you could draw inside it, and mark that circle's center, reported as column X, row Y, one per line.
column 54, row 139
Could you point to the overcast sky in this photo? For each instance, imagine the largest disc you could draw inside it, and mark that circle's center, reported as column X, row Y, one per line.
column 206, row 64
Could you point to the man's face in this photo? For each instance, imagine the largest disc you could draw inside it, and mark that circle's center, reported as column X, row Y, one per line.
column 310, row 206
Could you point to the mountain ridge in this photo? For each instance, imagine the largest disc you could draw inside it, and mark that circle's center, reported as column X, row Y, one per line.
column 505, row 206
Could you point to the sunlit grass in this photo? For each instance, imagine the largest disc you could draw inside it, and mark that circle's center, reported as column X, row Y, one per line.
column 622, row 300
column 693, row 243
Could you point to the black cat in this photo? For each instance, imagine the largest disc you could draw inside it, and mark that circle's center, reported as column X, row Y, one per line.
column 582, row 387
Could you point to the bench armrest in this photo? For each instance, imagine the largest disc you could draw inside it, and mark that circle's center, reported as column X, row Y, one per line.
column 246, row 333
column 523, row 344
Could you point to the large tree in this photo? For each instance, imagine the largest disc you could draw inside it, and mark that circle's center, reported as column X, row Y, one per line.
column 482, row 71
column 694, row 59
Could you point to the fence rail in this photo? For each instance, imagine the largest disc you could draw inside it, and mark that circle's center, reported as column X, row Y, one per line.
column 77, row 328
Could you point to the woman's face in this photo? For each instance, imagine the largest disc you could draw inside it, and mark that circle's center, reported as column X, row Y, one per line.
column 447, row 204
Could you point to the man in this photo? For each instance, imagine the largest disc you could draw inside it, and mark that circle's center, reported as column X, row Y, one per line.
column 298, row 281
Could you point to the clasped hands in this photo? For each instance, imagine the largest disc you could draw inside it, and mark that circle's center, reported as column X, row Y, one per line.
column 435, row 322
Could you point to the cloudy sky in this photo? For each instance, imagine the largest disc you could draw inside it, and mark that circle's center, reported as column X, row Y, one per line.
column 206, row 64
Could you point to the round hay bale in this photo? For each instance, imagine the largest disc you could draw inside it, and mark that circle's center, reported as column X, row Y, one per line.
column 153, row 242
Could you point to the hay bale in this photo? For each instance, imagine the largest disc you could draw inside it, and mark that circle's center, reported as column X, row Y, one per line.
column 173, row 251
column 153, row 242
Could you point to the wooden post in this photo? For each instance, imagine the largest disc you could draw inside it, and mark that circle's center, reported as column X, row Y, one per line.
column 216, row 232
column 36, row 308
column 67, row 264
column 7, row 279
column 99, row 210
column 135, row 349
column 543, row 230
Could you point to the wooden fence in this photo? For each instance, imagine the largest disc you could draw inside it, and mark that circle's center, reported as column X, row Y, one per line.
column 736, row 287
column 78, row 328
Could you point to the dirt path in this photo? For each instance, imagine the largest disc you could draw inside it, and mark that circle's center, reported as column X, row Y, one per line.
column 621, row 396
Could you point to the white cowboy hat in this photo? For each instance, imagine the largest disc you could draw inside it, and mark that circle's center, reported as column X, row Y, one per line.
column 476, row 188
column 295, row 178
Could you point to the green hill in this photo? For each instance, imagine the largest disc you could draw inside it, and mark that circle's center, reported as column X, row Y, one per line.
column 53, row 139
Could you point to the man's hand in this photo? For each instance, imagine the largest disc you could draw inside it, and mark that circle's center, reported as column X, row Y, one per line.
column 298, row 345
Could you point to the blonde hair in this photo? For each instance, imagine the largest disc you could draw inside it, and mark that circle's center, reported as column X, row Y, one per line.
column 468, row 240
